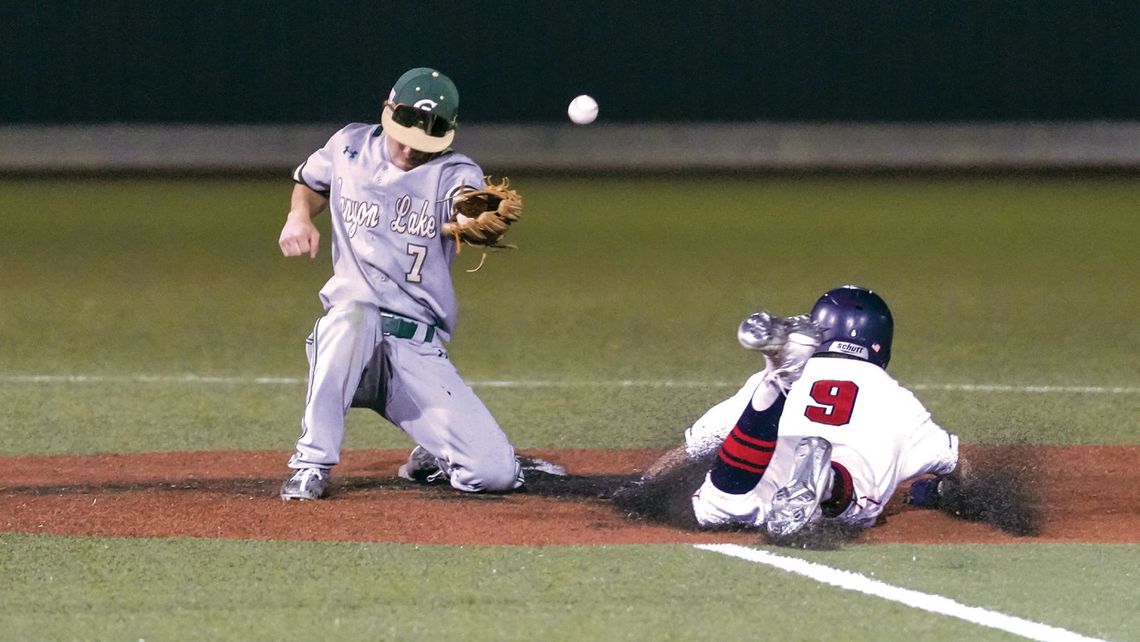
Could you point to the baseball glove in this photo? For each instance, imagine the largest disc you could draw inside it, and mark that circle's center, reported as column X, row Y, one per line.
column 481, row 216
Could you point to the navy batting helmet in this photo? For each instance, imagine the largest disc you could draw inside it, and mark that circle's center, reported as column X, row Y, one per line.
column 855, row 321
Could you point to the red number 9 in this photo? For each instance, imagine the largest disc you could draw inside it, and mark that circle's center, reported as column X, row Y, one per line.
column 836, row 400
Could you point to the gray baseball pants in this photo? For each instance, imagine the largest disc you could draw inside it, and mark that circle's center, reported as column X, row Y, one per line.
column 361, row 357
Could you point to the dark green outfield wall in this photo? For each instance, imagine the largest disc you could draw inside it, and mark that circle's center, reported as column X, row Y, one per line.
column 304, row 60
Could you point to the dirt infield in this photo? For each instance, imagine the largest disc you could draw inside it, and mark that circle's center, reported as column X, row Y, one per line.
column 1091, row 493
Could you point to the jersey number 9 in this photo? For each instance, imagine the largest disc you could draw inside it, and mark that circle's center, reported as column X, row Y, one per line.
column 836, row 401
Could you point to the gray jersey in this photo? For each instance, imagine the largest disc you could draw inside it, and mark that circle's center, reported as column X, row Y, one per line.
column 388, row 248
column 390, row 256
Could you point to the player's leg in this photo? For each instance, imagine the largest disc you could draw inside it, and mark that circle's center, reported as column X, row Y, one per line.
column 744, row 456
column 709, row 431
column 726, row 495
column 785, row 344
column 342, row 342
column 429, row 401
column 784, row 357
column 746, row 452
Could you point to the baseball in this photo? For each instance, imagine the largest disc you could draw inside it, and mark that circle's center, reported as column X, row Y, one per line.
column 583, row 110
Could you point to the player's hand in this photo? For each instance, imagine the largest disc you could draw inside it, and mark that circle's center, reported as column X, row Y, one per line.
column 299, row 236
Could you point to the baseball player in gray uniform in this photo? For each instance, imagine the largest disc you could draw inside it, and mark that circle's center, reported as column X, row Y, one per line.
column 390, row 304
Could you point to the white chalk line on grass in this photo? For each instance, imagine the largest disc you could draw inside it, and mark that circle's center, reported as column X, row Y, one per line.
column 925, row 601
column 530, row 383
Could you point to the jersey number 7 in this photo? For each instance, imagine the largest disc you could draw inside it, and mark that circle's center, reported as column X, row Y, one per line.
column 836, row 401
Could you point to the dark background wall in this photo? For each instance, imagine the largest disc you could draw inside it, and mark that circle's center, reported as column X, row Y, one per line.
column 67, row 61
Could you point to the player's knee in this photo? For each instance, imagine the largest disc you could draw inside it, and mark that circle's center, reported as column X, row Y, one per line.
column 488, row 474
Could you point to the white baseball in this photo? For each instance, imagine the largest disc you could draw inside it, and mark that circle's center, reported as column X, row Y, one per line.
column 583, row 110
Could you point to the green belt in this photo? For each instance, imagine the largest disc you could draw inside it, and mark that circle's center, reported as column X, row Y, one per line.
column 402, row 328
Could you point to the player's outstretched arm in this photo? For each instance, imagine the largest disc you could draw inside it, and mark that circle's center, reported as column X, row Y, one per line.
column 299, row 235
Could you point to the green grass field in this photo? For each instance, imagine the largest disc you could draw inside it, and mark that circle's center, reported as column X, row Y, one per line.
column 171, row 298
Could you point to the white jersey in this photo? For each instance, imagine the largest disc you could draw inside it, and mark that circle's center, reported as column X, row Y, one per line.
column 880, row 433
column 388, row 249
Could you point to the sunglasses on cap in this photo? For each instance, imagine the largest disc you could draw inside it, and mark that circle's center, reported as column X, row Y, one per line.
column 408, row 116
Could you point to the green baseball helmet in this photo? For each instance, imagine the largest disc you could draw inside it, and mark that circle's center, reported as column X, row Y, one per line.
column 421, row 110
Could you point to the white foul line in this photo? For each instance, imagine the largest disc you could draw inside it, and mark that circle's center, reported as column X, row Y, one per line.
column 973, row 387
column 187, row 378
column 925, row 601
column 532, row 383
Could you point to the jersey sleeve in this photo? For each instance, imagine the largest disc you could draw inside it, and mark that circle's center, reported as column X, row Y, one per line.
column 930, row 449
column 459, row 172
column 316, row 172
